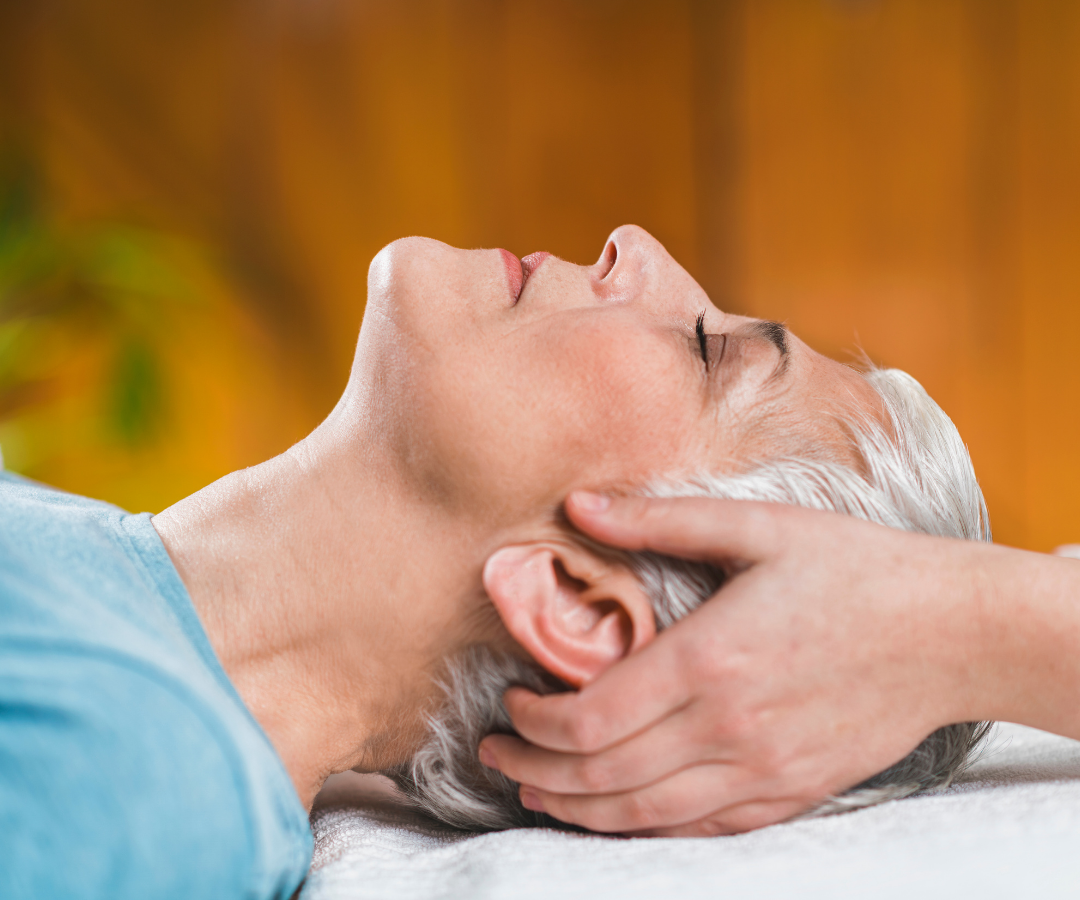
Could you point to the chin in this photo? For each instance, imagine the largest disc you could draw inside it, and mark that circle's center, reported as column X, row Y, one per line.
column 389, row 271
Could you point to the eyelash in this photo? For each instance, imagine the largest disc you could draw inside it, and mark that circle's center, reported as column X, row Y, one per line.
column 699, row 329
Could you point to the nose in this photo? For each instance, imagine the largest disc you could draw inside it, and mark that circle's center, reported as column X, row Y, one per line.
column 623, row 264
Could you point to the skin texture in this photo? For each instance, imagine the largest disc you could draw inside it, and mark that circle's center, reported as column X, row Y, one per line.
column 833, row 651
column 335, row 579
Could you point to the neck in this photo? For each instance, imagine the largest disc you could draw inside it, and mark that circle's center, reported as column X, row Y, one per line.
column 303, row 572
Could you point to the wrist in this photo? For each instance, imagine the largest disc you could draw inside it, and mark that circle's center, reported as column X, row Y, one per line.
column 964, row 621
column 1022, row 645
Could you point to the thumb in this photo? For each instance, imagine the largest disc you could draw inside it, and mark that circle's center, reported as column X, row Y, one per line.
column 689, row 527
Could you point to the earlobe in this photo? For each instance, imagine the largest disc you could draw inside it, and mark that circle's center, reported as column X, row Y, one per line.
column 576, row 615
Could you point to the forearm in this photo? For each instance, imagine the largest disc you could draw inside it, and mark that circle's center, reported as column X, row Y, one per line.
column 1027, row 620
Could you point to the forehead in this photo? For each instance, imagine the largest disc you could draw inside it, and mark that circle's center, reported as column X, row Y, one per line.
column 808, row 410
column 843, row 389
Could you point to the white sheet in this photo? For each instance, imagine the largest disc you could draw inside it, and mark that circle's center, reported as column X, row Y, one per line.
column 1010, row 828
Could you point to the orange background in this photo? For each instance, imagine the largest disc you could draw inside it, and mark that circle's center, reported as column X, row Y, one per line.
column 901, row 174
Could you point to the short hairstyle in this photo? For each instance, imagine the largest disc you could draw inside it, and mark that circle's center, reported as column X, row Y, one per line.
column 916, row 475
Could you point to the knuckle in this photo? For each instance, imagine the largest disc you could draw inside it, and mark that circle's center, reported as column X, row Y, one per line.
column 656, row 518
column 711, row 826
column 773, row 762
column 640, row 526
column 584, row 732
column 732, row 825
column 767, row 523
column 736, row 729
column 594, row 776
column 638, row 812
column 651, row 510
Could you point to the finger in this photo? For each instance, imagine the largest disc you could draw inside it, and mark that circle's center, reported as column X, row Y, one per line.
column 654, row 754
column 734, row 820
column 688, row 796
column 690, row 527
column 632, row 695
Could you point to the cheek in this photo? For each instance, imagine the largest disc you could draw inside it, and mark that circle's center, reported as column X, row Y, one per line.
column 598, row 406
column 612, row 395
column 515, row 421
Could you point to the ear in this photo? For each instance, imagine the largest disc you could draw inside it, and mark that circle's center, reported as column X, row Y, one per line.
column 575, row 613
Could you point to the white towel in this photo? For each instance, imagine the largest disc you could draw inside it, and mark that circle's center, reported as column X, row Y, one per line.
column 1009, row 828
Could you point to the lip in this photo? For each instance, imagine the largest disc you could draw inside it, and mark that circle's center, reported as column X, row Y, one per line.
column 518, row 271
column 532, row 262
column 515, row 273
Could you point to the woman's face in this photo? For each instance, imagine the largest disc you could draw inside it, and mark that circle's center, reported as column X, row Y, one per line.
column 501, row 385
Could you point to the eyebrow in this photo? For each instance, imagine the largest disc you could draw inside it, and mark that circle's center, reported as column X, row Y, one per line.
column 775, row 333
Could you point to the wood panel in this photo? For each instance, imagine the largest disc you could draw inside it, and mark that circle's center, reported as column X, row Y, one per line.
column 899, row 175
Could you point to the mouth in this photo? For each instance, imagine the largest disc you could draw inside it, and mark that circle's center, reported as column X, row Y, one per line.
column 518, row 271
column 515, row 273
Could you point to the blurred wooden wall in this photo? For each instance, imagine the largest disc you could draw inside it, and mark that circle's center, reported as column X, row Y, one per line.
column 899, row 174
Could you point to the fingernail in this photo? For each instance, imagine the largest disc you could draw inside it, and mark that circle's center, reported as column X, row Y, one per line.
column 587, row 501
column 530, row 801
column 487, row 758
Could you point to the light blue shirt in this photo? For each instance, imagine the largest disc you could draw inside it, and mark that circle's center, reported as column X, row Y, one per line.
column 129, row 766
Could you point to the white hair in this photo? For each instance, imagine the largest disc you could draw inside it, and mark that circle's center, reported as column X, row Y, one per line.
column 917, row 475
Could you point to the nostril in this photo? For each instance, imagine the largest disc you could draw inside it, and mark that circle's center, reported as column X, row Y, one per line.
column 607, row 259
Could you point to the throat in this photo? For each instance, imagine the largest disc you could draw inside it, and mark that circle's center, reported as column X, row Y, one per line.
column 308, row 594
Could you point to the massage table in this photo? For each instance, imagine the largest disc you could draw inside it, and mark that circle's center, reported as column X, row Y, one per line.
column 1009, row 827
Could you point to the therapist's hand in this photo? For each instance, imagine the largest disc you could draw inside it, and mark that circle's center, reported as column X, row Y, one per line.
column 832, row 651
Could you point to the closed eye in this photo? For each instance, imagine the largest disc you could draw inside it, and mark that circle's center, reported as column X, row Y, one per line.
column 712, row 346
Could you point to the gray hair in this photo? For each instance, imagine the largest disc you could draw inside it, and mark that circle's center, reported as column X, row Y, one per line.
column 917, row 476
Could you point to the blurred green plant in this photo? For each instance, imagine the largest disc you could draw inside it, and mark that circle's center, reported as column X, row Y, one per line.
column 86, row 308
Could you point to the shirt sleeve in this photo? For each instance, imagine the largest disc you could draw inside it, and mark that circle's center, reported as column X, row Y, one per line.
column 115, row 784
